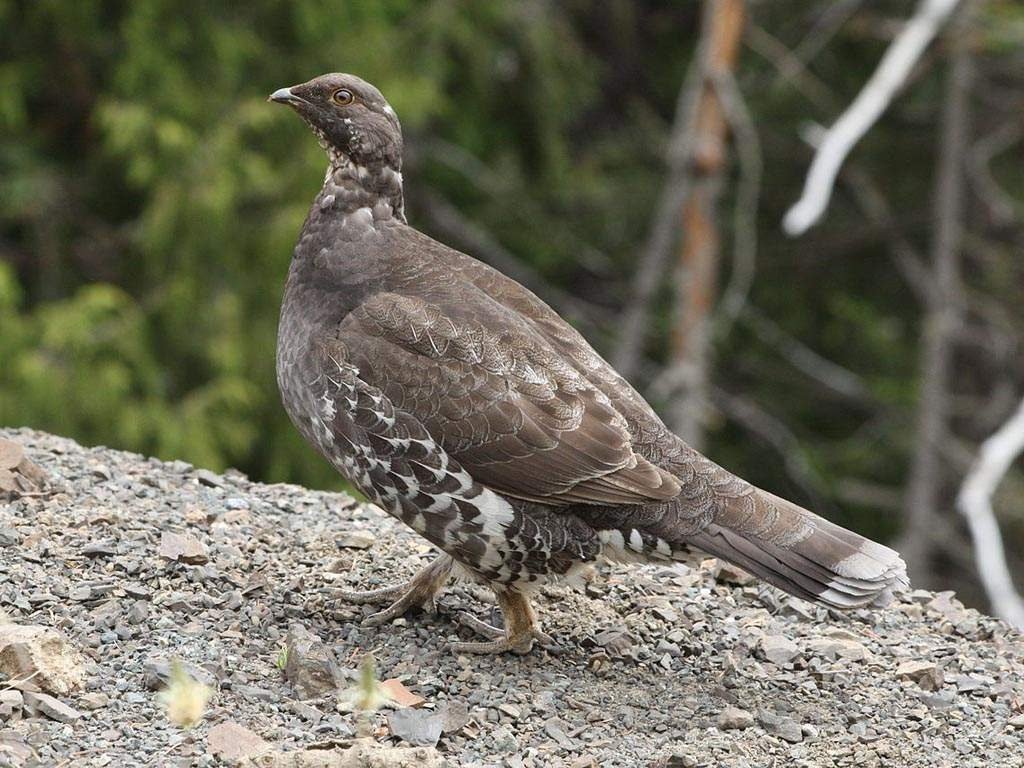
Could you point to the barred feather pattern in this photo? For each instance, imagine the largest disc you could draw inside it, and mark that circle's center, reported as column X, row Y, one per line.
column 467, row 408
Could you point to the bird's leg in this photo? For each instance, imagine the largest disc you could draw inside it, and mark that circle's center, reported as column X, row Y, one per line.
column 420, row 591
column 519, row 634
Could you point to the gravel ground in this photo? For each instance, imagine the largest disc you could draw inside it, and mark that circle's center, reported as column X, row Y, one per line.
column 661, row 666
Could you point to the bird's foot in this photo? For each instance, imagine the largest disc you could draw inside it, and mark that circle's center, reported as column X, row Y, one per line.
column 520, row 633
column 420, row 591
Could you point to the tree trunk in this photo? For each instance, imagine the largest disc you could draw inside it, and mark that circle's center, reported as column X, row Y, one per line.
column 927, row 482
column 699, row 256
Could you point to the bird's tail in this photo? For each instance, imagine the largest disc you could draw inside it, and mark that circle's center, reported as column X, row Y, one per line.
column 802, row 553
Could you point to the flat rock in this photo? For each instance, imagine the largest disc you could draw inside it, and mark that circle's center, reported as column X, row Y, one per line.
column 925, row 673
column 233, row 743
column 418, row 727
column 19, row 475
column 734, row 718
column 357, row 538
column 183, row 547
column 778, row 649
column 11, row 702
column 157, row 674
column 45, row 704
column 785, row 728
column 834, row 648
column 727, row 573
column 400, row 695
column 310, row 666
column 41, row 654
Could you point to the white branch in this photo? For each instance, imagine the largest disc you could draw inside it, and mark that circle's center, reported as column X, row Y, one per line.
column 996, row 455
column 893, row 70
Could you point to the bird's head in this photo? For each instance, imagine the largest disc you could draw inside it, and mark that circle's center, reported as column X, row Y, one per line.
column 353, row 121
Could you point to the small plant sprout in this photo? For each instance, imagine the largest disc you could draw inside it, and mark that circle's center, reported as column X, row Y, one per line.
column 367, row 696
column 282, row 658
column 184, row 698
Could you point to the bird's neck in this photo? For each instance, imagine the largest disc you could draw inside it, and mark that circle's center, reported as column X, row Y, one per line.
column 349, row 187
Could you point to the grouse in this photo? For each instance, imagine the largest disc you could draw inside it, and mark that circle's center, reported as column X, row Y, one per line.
column 467, row 408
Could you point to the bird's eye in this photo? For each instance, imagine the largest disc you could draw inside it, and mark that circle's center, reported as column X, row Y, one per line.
column 343, row 96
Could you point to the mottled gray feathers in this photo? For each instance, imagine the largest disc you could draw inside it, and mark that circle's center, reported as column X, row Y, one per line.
column 467, row 408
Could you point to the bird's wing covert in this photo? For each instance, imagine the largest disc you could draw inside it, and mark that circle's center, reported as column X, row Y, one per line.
column 520, row 419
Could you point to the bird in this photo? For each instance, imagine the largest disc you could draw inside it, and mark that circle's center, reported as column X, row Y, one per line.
column 467, row 408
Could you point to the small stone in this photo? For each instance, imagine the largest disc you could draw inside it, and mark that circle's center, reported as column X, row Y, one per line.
column 93, row 700
column 734, row 718
column 834, row 648
column 183, row 547
column 681, row 760
column 42, row 655
column 237, row 516
column 553, row 728
column 615, row 641
column 156, row 674
column 356, row 539
column 100, row 549
column 310, row 666
column 726, row 573
column 968, row 684
column 777, row 649
column 456, row 716
column 926, row 674
column 254, row 692
column 401, row 695
column 511, row 710
column 504, row 740
column 139, row 612
column 11, row 702
column 783, row 727
column 9, row 537
column 11, row 454
column 418, row 727
column 45, row 704
column 1016, row 722
column 211, row 479
column 80, row 594
column 136, row 590
column 307, row 712
column 234, row 743
column 666, row 614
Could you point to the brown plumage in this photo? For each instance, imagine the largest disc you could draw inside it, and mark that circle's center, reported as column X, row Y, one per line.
column 466, row 407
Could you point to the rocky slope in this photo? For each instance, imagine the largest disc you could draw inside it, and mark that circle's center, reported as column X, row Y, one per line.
column 134, row 563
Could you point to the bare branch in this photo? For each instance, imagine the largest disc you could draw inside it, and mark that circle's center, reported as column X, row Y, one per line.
column 805, row 359
column 943, row 314
column 1003, row 208
column 996, row 455
column 745, row 207
column 865, row 110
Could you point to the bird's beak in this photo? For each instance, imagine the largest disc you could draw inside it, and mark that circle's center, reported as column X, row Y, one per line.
column 284, row 96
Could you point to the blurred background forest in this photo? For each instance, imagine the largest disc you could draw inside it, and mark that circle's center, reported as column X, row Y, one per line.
column 615, row 157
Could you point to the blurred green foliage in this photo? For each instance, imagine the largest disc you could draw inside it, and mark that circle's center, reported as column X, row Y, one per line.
column 150, row 199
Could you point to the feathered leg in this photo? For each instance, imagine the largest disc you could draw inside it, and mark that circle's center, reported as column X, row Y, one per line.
column 420, row 591
column 519, row 634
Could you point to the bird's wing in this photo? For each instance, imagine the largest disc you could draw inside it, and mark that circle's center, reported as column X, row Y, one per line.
column 519, row 418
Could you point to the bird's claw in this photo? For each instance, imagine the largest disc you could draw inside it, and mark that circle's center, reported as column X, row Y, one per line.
column 502, row 641
column 419, row 592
